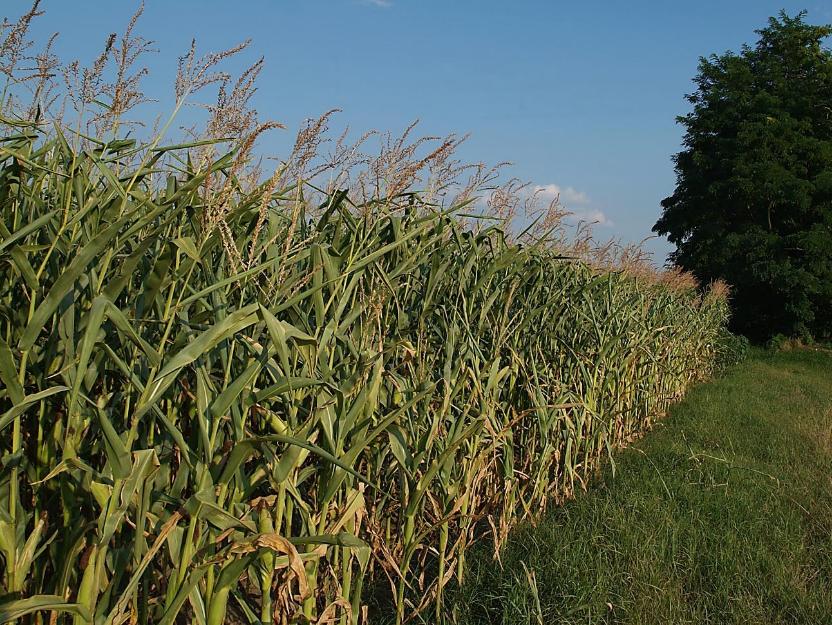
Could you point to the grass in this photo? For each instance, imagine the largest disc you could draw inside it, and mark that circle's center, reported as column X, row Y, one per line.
column 722, row 515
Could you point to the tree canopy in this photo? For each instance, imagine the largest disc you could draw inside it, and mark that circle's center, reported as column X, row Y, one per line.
column 753, row 198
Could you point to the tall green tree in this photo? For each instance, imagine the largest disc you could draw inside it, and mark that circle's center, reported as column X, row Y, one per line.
column 753, row 198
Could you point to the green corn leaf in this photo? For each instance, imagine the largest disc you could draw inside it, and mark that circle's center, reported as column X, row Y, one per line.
column 21, row 407
column 18, row 608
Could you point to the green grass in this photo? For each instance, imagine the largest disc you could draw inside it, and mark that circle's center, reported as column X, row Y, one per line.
column 722, row 515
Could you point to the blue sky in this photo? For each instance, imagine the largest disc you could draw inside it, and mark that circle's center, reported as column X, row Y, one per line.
column 582, row 95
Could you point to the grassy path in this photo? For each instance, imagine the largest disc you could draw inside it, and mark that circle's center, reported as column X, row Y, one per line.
column 721, row 515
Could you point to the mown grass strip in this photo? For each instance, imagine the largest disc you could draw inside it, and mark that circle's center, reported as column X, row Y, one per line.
column 721, row 515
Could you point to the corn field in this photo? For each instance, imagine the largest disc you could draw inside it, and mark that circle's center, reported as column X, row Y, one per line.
column 228, row 398
column 275, row 416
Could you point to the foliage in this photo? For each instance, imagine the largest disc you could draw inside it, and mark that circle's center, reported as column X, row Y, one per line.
column 732, row 349
column 219, row 404
column 753, row 200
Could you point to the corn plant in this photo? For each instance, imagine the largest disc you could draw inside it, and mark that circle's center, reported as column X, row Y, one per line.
column 224, row 403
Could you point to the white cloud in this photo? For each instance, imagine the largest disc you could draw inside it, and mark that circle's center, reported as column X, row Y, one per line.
column 593, row 216
column 379, row 3
column 576, row 202
column 569, row 196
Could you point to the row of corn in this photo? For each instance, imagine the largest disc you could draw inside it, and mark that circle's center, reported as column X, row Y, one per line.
column 231, row 405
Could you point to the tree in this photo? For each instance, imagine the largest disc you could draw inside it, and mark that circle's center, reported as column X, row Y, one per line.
column 753, row 197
